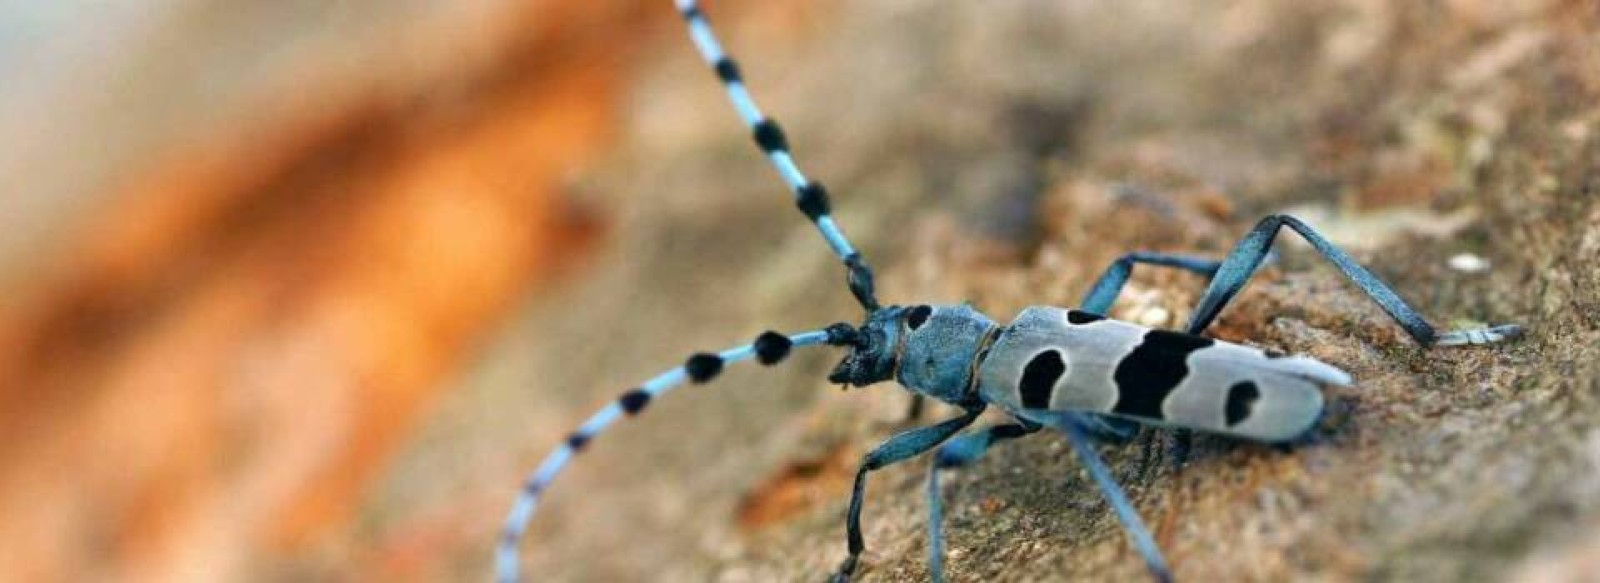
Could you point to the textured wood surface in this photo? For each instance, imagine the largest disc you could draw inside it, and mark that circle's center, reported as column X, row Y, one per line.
column 323, row 336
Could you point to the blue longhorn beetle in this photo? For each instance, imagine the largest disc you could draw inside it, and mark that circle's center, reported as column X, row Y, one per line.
column 1070, row 370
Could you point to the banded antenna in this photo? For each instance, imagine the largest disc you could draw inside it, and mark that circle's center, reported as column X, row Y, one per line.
column 809, row 195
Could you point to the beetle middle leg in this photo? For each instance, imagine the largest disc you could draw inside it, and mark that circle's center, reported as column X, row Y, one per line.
column 957, row 453
column 969, row 448
column 1110, row 283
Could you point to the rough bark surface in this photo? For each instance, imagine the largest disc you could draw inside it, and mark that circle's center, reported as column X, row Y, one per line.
column 1004, row 153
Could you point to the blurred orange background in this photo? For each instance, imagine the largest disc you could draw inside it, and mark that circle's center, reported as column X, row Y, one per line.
column 245, row 246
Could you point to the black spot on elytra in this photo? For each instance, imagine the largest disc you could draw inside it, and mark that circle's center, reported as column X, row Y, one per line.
column 772, row 347
column 1149, row 373
column 703, row 367
column 1241, row 397
column 633, row 401
column 1039, row 378
column 1079, row 317
column 918, row 316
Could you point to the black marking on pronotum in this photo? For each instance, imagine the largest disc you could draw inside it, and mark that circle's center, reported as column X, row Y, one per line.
column 577, row 440
column 1039, row 378
column 770, row 137
column 703, row 367
column 1082, row 317
column 634, row 401
column 918, row 316
column 727, row 70
column 772, row 347
column 1241, row 397
column 813, row 200
column 1149, row 373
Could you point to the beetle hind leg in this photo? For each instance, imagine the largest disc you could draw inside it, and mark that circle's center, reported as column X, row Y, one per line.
column 1241, row 263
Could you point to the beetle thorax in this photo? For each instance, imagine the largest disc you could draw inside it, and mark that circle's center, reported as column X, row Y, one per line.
column 932, row 350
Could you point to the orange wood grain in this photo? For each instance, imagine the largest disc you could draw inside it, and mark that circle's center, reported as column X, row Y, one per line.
column 232, row 349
